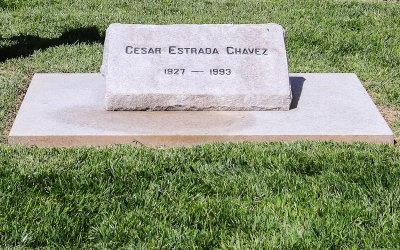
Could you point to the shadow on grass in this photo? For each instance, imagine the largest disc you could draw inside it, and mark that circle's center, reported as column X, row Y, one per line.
column 27, row 45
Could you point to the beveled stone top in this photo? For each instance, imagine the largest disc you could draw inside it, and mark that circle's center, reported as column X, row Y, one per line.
column 196, row 67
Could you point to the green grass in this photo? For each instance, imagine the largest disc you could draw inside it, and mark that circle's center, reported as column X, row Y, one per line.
column 302, row 195
column 305, row 195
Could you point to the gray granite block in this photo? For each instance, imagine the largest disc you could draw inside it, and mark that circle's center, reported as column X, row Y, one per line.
column 196, row 67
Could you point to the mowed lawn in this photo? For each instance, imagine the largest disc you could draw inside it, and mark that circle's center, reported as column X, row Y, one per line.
column 247, row 195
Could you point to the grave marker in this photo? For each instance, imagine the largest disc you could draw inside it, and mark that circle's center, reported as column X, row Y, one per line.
column 196, row 67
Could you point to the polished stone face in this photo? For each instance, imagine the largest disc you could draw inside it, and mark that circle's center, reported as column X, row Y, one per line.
column 196, row 67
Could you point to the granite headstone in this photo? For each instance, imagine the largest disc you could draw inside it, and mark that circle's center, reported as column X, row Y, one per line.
column 196, row 67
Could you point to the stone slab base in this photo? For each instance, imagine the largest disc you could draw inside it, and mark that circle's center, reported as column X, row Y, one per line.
column 68, row 110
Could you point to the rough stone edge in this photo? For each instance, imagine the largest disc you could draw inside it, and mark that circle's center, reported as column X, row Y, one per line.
column 106, row 50
column 164, row 102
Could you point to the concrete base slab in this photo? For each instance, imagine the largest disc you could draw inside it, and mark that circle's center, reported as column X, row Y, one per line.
column 68, row 110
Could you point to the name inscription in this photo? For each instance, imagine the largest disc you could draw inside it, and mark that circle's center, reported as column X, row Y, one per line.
column 174, row 50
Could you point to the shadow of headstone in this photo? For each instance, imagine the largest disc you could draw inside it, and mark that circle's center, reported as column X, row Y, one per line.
column 27, row 45
column 296, row 84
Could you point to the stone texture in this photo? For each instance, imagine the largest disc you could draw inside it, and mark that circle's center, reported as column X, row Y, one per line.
column 67, row 110
column 252, row 58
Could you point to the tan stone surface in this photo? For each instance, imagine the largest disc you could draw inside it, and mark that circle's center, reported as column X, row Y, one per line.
column 196, row 67
column 68, row 110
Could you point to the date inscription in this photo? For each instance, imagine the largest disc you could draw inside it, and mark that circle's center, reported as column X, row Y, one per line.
column 174, row 71
column 212, row 72
column 220, row 72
